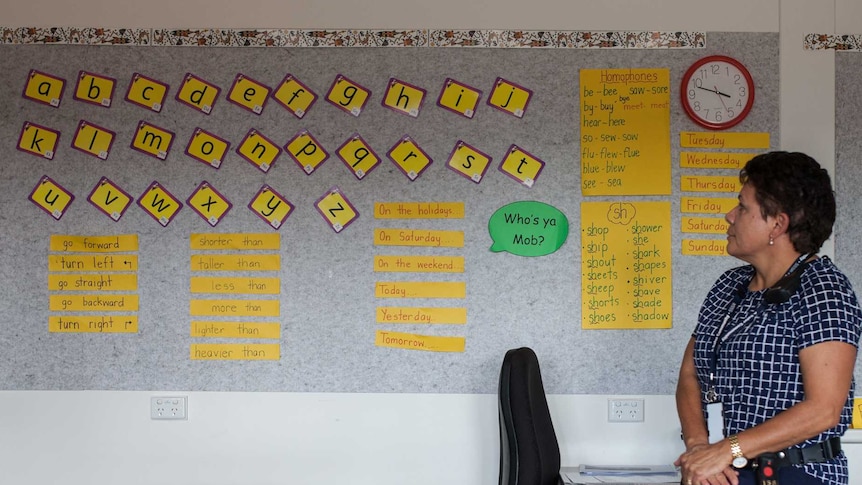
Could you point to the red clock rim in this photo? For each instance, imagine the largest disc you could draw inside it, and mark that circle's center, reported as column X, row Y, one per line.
column 708, row 124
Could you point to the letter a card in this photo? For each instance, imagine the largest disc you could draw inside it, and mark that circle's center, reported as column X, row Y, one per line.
column 209, row 203
column 44, row 88
column 336, row 209
column 109, row 198
column 271, row 206
column 51, row 197
column 160, row 204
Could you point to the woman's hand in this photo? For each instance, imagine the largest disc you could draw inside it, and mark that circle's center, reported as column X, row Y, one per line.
column 705, row 464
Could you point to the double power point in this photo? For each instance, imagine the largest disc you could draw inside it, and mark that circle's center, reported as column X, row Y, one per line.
column 625, row 410
column 169, row 407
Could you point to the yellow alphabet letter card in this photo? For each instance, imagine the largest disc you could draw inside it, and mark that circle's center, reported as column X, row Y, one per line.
column 459, row 98
column 248, row 94
column 44, row 88
column 95, row 89
column 357, row 154
column 160, row 204
column 209, row 203
column 468, row 162
column 38, row 140
column 347, row 95
column 51, row 197
column 152, row 140
column 509, row 97
column 409, row 158
column 146, row 92
column 109, row 198
column 198, row 94
column 258, row 150
column 294, row 96
column 93, row 140
column 403, row 97
column 336, row 209
column 271, row 206
column 306, row 151
column 521, row 166
column 207, row 148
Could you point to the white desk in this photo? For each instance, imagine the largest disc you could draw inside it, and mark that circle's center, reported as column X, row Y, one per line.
column 572, row 476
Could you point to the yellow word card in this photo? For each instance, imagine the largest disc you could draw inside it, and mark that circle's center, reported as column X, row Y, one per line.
column 459, row 98
column 209, row 203
column 857, row 413
column 207, row 148
column 38, row 140
column 51, row 197
column 258, row 150
column 234, row 352
column 93, row 139
column 93, row 324
column 235, row 241
column 706, row 205
column 250, row 286
column 403, row 97
column 336, row 209
column 509, row 97
column 44, row 88
column 358, row 156
column 419, row 264
column 234, row 308
column 521, row 166
column 423, row 315
column 306, row 151
column 152, row 140
column 93, row 303
column 219, row 329
column 419, row 210
column 420, row 289
column 625, row 132
column 95, row 89
column 246, row 262
column 730, row 139
column 271, row 206
column 709, row 183
column 704, row 225
column 147, row 92
column 468, row 162
column 160, row 204
column 348, row 95
column 90, row 282
column 714, row 160
column 412, row 341
column 249, row 94
column 109, row 198
column 626, row 265
column 409, row 158
column 295, row 96
column 704, row 247
column 96, row 244
column 418, row 237
column 102, row 264
column 197, row 93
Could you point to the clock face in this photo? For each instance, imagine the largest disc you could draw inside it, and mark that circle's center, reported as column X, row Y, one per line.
column 717, row 92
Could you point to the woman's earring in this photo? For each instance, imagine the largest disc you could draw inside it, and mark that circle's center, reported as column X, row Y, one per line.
column 771, row 241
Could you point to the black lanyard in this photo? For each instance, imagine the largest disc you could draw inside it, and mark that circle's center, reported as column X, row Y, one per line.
column 738, row 296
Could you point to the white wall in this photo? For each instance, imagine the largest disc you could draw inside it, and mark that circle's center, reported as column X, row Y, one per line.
column 94, row 438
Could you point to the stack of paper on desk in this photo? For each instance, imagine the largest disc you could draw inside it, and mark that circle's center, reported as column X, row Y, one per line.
column 621, row 475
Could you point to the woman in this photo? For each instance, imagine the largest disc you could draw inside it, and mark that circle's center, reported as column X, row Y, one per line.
column 769, row 367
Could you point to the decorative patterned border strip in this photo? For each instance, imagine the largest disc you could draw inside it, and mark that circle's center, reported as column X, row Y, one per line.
column 846, row 42
column 353, row 38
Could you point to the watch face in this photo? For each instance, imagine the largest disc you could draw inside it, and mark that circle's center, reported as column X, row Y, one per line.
column 739, row 462
column 717, row 92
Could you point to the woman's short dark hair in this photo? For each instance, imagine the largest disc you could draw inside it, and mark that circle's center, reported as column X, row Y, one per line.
column 794, row 183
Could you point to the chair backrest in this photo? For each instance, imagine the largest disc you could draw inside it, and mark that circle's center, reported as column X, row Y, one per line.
column 529, row 452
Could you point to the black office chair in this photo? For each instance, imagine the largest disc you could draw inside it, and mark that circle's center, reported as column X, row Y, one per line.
column 529, row 452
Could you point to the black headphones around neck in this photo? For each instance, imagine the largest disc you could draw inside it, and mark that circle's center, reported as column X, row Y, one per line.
column 784, row 288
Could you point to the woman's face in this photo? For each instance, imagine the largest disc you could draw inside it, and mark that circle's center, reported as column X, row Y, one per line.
column 748, row 233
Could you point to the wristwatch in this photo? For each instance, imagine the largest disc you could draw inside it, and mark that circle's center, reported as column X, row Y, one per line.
column 739, row 460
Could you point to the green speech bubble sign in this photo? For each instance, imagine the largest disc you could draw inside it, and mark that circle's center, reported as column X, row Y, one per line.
column 528, row 228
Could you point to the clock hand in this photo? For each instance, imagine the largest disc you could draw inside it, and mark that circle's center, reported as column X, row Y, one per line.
column 719, row 98
column 715, row 90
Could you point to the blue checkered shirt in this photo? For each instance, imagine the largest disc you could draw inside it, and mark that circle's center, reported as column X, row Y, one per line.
column 757, row 374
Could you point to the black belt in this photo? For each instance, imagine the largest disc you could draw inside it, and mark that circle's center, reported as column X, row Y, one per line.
column 816, row 453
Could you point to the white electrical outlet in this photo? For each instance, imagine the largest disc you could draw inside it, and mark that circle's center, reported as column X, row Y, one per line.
column 168, row 407
column 625, row 410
